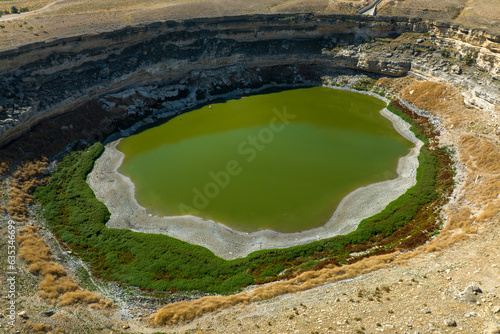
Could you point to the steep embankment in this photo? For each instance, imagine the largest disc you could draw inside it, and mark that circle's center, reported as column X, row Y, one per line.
column 195, row 59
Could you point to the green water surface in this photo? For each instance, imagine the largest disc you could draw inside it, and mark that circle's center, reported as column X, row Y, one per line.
column 281, row 161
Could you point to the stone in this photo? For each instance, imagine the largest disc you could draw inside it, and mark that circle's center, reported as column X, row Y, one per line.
column 426, row 310
column 420, row 40
column 144, row 93
column 48, row 313
column 104, row 72
column 23, row 315
column 493, row 329
column 496, row 309
column 469, row 293
column 450, row 323
column 475, row 288
column 456, row 69
column 171, row 93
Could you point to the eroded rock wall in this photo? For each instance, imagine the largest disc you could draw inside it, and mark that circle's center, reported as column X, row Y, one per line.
column 175, row 59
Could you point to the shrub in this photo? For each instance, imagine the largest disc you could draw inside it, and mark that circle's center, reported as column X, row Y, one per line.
column 14, row 10
column 445, row 53
column 468, row 59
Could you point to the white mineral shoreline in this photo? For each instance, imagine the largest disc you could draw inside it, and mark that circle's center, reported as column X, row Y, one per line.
column 116, row 191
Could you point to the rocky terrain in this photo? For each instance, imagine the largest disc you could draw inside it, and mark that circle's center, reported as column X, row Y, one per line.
column 68, row 92
column 179, row 65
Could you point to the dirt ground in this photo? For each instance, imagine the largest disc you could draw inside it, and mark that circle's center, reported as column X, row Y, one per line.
column 417, row 297
column 76, row 17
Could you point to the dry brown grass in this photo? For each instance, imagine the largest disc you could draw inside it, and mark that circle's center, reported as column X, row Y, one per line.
column 4, row 168
column 56, row 286
column 52, row 288
column 38, row 328
column 298, row 6
column 478, row 150
column 79, row 297
column 23, row 180
column 481, row 14
column 33, row 249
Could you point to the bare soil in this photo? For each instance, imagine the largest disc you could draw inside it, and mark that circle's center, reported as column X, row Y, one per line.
column 77, row 17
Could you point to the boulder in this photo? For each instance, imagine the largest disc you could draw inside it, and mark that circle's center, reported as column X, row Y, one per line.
column 450, row 323
column 456, row 69
column 23, row 315
column 493, row 329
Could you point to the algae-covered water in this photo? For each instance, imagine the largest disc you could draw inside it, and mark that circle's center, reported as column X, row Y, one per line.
column 280, row 161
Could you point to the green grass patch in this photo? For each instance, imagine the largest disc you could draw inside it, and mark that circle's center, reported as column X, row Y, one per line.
column 159, row 262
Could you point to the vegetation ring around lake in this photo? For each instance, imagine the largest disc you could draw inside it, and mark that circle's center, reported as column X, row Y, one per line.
column 160, row 262
column 117, row 192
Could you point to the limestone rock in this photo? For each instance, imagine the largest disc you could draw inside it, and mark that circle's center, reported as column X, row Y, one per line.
column 456, row 69
column 493, row 329
column 450, row 323
column 48, row 313
column 104, row 72
column 23, row 315
column 470, row 292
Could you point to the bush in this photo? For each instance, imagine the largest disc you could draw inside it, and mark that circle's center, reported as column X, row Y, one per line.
column 445, row 53
column 468, row 59
column 14, row 10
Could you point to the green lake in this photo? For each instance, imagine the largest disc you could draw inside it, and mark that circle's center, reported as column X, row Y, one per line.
column 280, row 161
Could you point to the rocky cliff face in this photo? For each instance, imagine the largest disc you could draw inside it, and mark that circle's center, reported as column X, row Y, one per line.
column 477, row 47
column 180, row 64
